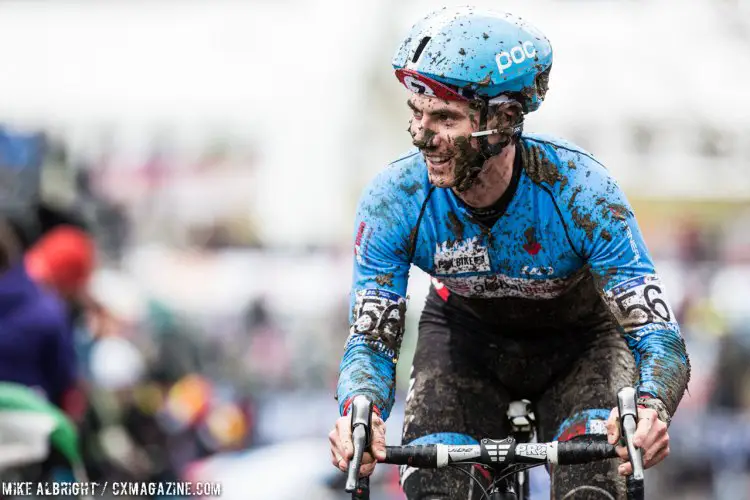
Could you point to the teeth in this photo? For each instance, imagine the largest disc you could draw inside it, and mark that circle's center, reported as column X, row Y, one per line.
column 438, row 160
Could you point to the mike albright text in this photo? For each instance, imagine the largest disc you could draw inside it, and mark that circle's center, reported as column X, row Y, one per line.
column 122, row 488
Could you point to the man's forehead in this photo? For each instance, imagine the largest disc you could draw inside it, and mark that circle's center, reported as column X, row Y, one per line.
column 429, row 103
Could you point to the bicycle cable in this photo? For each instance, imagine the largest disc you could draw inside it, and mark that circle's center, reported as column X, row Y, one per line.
column 485, row 493
column 516, row 468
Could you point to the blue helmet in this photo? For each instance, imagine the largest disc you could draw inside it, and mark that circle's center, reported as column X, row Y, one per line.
column 467, row 53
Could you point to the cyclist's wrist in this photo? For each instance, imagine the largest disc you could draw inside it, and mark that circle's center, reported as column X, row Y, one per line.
column 656, row 404
column 348, row 404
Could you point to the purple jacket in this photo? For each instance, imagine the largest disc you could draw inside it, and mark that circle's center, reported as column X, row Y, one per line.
column 36, row 342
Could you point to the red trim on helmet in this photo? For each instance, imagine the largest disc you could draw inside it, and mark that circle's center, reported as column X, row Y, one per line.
column 421, row 84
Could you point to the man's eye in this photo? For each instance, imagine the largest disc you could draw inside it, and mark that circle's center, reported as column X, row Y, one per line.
column 444, row 117
column 417, row 113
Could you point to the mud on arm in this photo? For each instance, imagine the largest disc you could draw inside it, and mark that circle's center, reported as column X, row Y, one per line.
column 633, row 292
column 636, row 298
column 378, row 306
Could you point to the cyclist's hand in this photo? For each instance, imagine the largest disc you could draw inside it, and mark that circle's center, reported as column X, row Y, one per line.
column 342, row 449
column 651, row 436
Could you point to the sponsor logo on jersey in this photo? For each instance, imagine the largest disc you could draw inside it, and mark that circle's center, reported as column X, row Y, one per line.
column 463, row 256
column 500, row 285
column 537, row 270
column 532, row 246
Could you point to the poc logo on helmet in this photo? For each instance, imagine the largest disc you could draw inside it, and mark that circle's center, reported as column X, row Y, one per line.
column 418, row 86
column 515, row 55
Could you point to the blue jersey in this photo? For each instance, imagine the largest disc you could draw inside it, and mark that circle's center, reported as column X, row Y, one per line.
column 568, row 235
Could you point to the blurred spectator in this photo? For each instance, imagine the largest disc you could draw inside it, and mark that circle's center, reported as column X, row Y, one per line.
column 268, row 356
column 50, row 216
column 695, row 244
column 36, row 343
column 63, row 260
column 732, row 377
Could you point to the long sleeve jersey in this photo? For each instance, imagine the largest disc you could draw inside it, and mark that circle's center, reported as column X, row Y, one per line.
column 567, row 229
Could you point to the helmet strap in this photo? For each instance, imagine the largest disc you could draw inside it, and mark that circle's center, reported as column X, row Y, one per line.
column 488, row 150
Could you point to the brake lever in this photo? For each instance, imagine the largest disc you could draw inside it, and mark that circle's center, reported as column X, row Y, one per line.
column 361, row 434
column 627, row 406
column 628, row 409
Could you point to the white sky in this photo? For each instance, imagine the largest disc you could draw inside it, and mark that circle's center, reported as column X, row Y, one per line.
column 292, row 75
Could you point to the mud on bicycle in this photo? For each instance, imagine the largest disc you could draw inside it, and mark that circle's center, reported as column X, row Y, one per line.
column 507, row 461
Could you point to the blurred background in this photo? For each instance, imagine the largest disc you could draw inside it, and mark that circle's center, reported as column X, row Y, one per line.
column 215, row 150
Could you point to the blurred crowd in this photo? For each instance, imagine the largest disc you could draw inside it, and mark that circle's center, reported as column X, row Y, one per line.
column 151, row 388
column 196, row 315
column 194, row 342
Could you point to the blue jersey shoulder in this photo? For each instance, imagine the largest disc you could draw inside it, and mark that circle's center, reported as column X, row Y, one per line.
column 557, row 142
column 550, row 160
column 585, row 193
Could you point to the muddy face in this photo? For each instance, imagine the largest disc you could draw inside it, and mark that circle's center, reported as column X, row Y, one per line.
column 442, row 131
column 467, row 164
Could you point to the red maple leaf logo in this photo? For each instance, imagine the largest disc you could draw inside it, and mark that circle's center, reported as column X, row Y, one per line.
column 532, row 246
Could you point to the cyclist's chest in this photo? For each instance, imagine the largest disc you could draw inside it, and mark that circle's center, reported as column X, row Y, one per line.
column 527, row 253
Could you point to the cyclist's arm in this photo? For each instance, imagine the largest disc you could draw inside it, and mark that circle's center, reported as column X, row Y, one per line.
column 629, row 285
column 377, row 301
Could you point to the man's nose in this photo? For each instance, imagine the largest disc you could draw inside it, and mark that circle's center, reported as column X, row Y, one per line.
column 424, row 137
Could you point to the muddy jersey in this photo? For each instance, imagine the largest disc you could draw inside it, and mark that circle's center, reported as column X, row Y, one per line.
column 567, row 254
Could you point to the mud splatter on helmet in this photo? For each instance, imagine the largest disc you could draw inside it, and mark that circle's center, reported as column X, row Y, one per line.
column 468, row 53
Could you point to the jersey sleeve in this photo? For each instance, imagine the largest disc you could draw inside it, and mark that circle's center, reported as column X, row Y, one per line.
column 612, row 244
column 377, row 298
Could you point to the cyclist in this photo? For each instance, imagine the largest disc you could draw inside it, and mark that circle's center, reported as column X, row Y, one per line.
column 542, row 285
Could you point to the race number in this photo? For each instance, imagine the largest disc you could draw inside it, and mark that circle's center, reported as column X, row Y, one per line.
column 638, row 302
column 418, row 86
column 379, row 314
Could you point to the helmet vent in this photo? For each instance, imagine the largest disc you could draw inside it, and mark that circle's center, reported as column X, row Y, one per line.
column 420, row 48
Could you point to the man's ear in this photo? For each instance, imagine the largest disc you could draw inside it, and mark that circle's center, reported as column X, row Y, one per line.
column 506, row 115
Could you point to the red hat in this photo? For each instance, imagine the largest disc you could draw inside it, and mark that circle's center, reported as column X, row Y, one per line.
column 64, row 259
